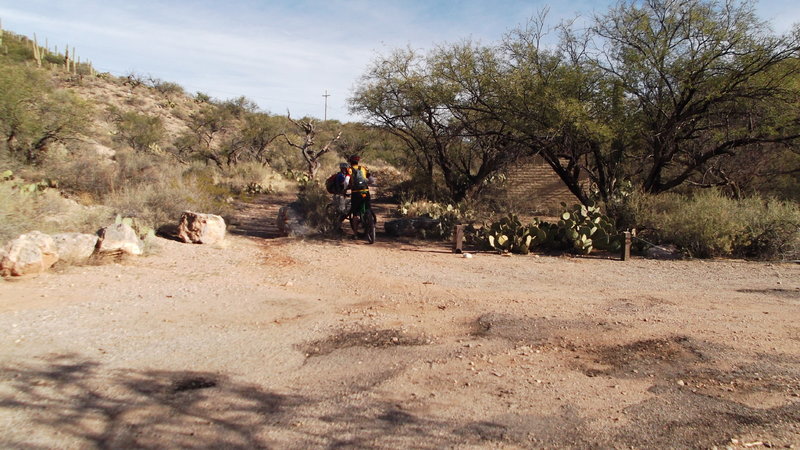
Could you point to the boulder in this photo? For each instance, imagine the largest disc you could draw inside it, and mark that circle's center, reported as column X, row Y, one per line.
column 119, row 238
column 30, row 253
column 410, row 226
column 75, row 248
column 291, row 222
column 200, row 228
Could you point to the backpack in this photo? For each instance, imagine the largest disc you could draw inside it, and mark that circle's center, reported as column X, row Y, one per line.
column 334, row 184
column 358, row 179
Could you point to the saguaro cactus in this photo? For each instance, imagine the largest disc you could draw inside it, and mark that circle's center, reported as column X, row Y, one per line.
column 37, row 52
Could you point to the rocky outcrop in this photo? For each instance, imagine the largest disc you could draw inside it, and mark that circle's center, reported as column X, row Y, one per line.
column 30, row 253
column 200, row 228
column 119, row 238
column 75, row 248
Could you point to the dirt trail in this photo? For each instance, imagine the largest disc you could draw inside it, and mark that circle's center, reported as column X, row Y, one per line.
column 277, row 342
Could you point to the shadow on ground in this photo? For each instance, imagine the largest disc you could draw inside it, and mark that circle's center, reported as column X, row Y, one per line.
column 72, row 401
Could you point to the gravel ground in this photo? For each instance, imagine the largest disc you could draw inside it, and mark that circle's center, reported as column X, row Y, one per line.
column 276, row 342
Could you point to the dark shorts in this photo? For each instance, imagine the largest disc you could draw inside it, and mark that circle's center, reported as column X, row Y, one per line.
column 357, row 199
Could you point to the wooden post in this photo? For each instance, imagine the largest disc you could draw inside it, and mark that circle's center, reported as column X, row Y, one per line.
column 458, row 239
column 626, row 247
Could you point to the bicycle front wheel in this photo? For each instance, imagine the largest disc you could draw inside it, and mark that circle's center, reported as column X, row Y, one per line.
column 332, row 221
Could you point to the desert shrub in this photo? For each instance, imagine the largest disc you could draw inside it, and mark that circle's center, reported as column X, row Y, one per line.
column 168, row 88
column 46, row 211
column 82, row 171
column 312, row 199
column 141, row 131
column 709, row 224
column 163, row 202
column 202, row 97
column 704, row 225
column 138, row 168
column 134, row 79
column 771, row 229
column 254, row 178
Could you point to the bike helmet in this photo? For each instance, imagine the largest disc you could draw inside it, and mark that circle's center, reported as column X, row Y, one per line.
column 343, row 166
column 354, row 159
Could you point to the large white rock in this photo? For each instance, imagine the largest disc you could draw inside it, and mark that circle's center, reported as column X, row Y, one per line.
column 119, row 238
column 75, row 248
column 201, row 228
column 30, row 253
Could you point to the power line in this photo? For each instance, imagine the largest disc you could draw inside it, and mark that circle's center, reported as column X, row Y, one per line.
column 325, row 115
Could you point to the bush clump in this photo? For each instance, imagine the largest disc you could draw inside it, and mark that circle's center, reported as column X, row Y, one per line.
column 312, row 200
column 25, row 207
column 709, row 224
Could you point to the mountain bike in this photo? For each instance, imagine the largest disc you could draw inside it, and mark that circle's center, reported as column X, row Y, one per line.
column 366, row 218
column 336, row 212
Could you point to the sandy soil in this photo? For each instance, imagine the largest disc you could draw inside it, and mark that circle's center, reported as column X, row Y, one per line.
column 275, row 342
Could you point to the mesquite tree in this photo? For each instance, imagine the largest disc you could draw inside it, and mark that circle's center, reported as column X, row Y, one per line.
column 658, row 93
column 306, row 147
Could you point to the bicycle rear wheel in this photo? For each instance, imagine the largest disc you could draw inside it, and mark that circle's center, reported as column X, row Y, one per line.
column 369, row 226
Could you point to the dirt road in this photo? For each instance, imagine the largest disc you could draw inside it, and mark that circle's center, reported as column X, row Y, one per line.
column 274, row 342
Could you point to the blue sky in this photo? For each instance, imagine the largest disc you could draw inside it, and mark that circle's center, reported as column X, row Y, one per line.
column 281, row 54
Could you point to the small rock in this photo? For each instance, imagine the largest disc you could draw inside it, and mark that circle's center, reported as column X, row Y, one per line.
column 468, row 255
column 681, row 383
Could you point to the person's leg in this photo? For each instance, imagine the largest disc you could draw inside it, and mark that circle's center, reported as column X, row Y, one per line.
column 355, row 206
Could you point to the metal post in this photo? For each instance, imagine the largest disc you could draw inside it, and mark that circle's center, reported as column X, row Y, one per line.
column 626, row 247
column 458, row 239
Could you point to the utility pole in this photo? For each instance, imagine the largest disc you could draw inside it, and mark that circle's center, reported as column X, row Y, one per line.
column 326, row 95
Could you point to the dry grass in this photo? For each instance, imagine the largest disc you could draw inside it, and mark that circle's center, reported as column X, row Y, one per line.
column 47, row 212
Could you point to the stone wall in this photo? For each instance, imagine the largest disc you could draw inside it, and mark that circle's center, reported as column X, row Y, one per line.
column 532, row 186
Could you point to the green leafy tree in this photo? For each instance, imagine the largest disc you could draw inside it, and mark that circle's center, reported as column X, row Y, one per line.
column 660, row 93
column 702, row 80
column 428, row 103
column 33, row 116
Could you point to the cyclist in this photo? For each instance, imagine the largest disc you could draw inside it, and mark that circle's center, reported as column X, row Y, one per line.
column 360, row 179
column 342, row 181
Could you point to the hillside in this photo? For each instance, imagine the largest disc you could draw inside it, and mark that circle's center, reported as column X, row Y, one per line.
column 136, row 146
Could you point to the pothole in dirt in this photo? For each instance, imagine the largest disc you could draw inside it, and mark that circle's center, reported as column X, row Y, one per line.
column 192, row 384
column 747, row 381
column 535, row 330
column 361, row 338
column 647, row 357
